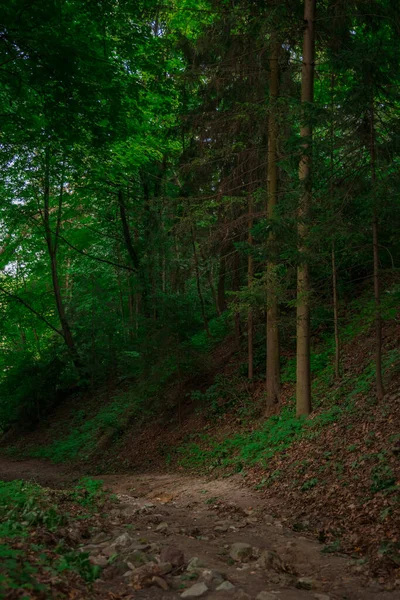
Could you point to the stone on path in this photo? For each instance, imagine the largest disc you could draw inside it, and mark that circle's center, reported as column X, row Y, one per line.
column 272, row 561
column 241, row 552
column 162, row 527
column 123, row 541
column 172, row 555
column 225, row 586
column 212, row 578
column 266, row 596
column 305, row 583
column 195, row 563
column 160, row 582
column 99, row 561
column 195, row 591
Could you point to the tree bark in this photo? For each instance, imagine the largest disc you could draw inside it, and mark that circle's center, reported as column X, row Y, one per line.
column 200, row 293
column 250, row 275
column 236, row 288
column 52, row 245
column 380, row 390
column 210, row 282
column 273, row 358
column 335, row 314
column 125, row 228
column 221, row 285
column 334, row 271
column 303, row 372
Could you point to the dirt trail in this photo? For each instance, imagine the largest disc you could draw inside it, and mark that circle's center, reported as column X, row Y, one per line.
column 203, row 518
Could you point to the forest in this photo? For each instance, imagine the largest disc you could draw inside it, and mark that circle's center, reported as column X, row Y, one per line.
column 199, row 274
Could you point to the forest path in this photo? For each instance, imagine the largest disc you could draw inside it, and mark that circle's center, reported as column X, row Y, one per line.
column 162, row 516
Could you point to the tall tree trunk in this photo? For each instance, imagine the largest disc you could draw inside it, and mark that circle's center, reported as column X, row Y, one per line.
column 335, row 314
column 210, row 282
column 303, row 372
column 221, row 285
column 273, row 358
column 126, row 231
column 236, row 288
column 250, row 275
column 52, row 246
column 334, row 270
column 380, row 390
column 200, row 293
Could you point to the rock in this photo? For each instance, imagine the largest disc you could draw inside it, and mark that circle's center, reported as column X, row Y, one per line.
column 212, row 578
column 141, row 547
column 147, row 508
column 195, row 591
column 241, row 595
column 143, row 576
column 240, row 551
column 136, row 559
column 225, row 586
column 156, row 518
column 271, row 561
column 162, row 527
column 266, row 596
column 195, row 563
column 221, row 528
column 98, row 561
column 128, row 574
column 160, row 582
column 269, row 519
column 305, row 583
column 101, row 537
column 165, row 568
column 172, row 555
column 110, row 551
column 322, row 597
column 251, row 520
column 117, row 569
column 123, row 541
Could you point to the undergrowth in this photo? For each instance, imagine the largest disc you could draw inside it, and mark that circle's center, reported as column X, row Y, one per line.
column 332, row 401
column 30, row 516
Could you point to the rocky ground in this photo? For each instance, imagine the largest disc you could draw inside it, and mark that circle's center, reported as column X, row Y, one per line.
column 175, row 536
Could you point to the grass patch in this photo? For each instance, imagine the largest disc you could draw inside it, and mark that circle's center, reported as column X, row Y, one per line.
column 28, row 514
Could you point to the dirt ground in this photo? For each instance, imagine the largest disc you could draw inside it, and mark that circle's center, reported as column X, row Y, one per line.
column 203, row 518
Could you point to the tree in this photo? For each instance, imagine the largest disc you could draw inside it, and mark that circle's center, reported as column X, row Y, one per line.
column 273, row 354
column 303, row 378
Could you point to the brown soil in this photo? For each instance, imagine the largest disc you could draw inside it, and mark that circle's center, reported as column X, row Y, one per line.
column 192, row 507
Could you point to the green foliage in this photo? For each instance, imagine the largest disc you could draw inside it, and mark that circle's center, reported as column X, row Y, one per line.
column 382, row 478
column 309, row 484
column 89, row 493
column 243, row 449
column 25, row 507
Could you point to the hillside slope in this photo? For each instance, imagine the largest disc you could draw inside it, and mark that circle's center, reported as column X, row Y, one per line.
column 335, row 475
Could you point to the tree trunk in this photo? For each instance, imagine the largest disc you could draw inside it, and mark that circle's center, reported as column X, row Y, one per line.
column 380, row 391
column 334, row 271
column 250, row 275
column 303, row 374
column 236, row 288
column 52, row 245
column 335, row 314
column 125, row 228
column 210, row 282
column 221, row 285
column 273, row 358
column 200, row 293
